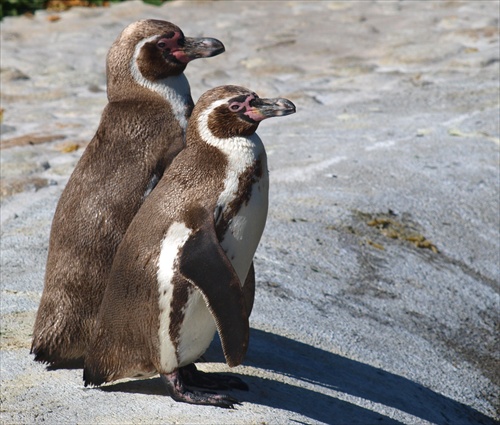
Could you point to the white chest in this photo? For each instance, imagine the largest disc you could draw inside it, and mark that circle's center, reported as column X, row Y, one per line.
column 246, row 227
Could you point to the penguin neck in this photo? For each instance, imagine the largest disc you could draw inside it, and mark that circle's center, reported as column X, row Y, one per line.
column 237, row 148
column 174, row 89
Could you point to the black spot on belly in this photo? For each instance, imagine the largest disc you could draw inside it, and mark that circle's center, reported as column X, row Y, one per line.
column 182, row 291
column 246, row 181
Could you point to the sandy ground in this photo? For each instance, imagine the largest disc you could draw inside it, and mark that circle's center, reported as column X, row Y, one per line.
column 378, row 273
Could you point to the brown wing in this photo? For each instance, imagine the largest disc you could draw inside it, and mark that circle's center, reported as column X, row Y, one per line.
column 204, row 263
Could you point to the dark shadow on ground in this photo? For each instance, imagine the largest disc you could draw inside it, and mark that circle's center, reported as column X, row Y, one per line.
column 314, row 405
column 324, row 369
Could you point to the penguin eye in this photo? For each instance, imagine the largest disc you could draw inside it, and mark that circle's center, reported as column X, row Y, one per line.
column 163, row 42
column 235, row 107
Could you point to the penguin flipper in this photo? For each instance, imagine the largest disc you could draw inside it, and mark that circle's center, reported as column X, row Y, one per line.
column 249, row 289
column 204, row 263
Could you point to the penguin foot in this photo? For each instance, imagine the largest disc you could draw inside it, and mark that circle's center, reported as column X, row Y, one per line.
column 193, row 377
column 179, row 392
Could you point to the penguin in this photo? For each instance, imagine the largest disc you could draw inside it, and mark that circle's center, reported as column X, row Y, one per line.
column 141, row 130
column 179, row 273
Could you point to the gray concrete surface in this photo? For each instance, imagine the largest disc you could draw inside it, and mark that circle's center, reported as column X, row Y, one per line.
column 378, row 272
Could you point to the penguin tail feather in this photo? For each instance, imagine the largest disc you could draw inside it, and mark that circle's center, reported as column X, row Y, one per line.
column 92, row 379
column 42, row 355
column 54, row 362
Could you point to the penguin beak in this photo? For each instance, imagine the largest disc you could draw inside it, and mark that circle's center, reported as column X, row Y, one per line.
column 202, row 47
column 260, row 109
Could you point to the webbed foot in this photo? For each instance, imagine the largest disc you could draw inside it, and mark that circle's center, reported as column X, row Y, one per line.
column 179, row 392
column 193, row 377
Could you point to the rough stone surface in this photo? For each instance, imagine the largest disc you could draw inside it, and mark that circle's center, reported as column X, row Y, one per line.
column 378, row 273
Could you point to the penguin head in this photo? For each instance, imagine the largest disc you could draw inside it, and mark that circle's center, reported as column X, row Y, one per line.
column 153, row 50
column 233, row 111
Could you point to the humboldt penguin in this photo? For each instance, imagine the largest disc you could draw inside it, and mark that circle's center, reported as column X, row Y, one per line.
column 141, row 130
column 179, row 273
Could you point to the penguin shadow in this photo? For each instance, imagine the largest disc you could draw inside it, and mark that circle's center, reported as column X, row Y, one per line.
column 318, row 369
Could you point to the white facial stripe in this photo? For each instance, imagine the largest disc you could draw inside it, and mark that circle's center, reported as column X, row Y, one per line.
column 241, row 153
column 176, row 237
column 225, row 145
column 174, row 89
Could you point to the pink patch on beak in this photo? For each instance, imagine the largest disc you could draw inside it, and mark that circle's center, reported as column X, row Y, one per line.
column 255, row 115
column 181, row 56
column 252, row 113
column 175, row 50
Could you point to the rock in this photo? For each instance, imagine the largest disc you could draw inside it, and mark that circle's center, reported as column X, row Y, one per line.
column 393, row 152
